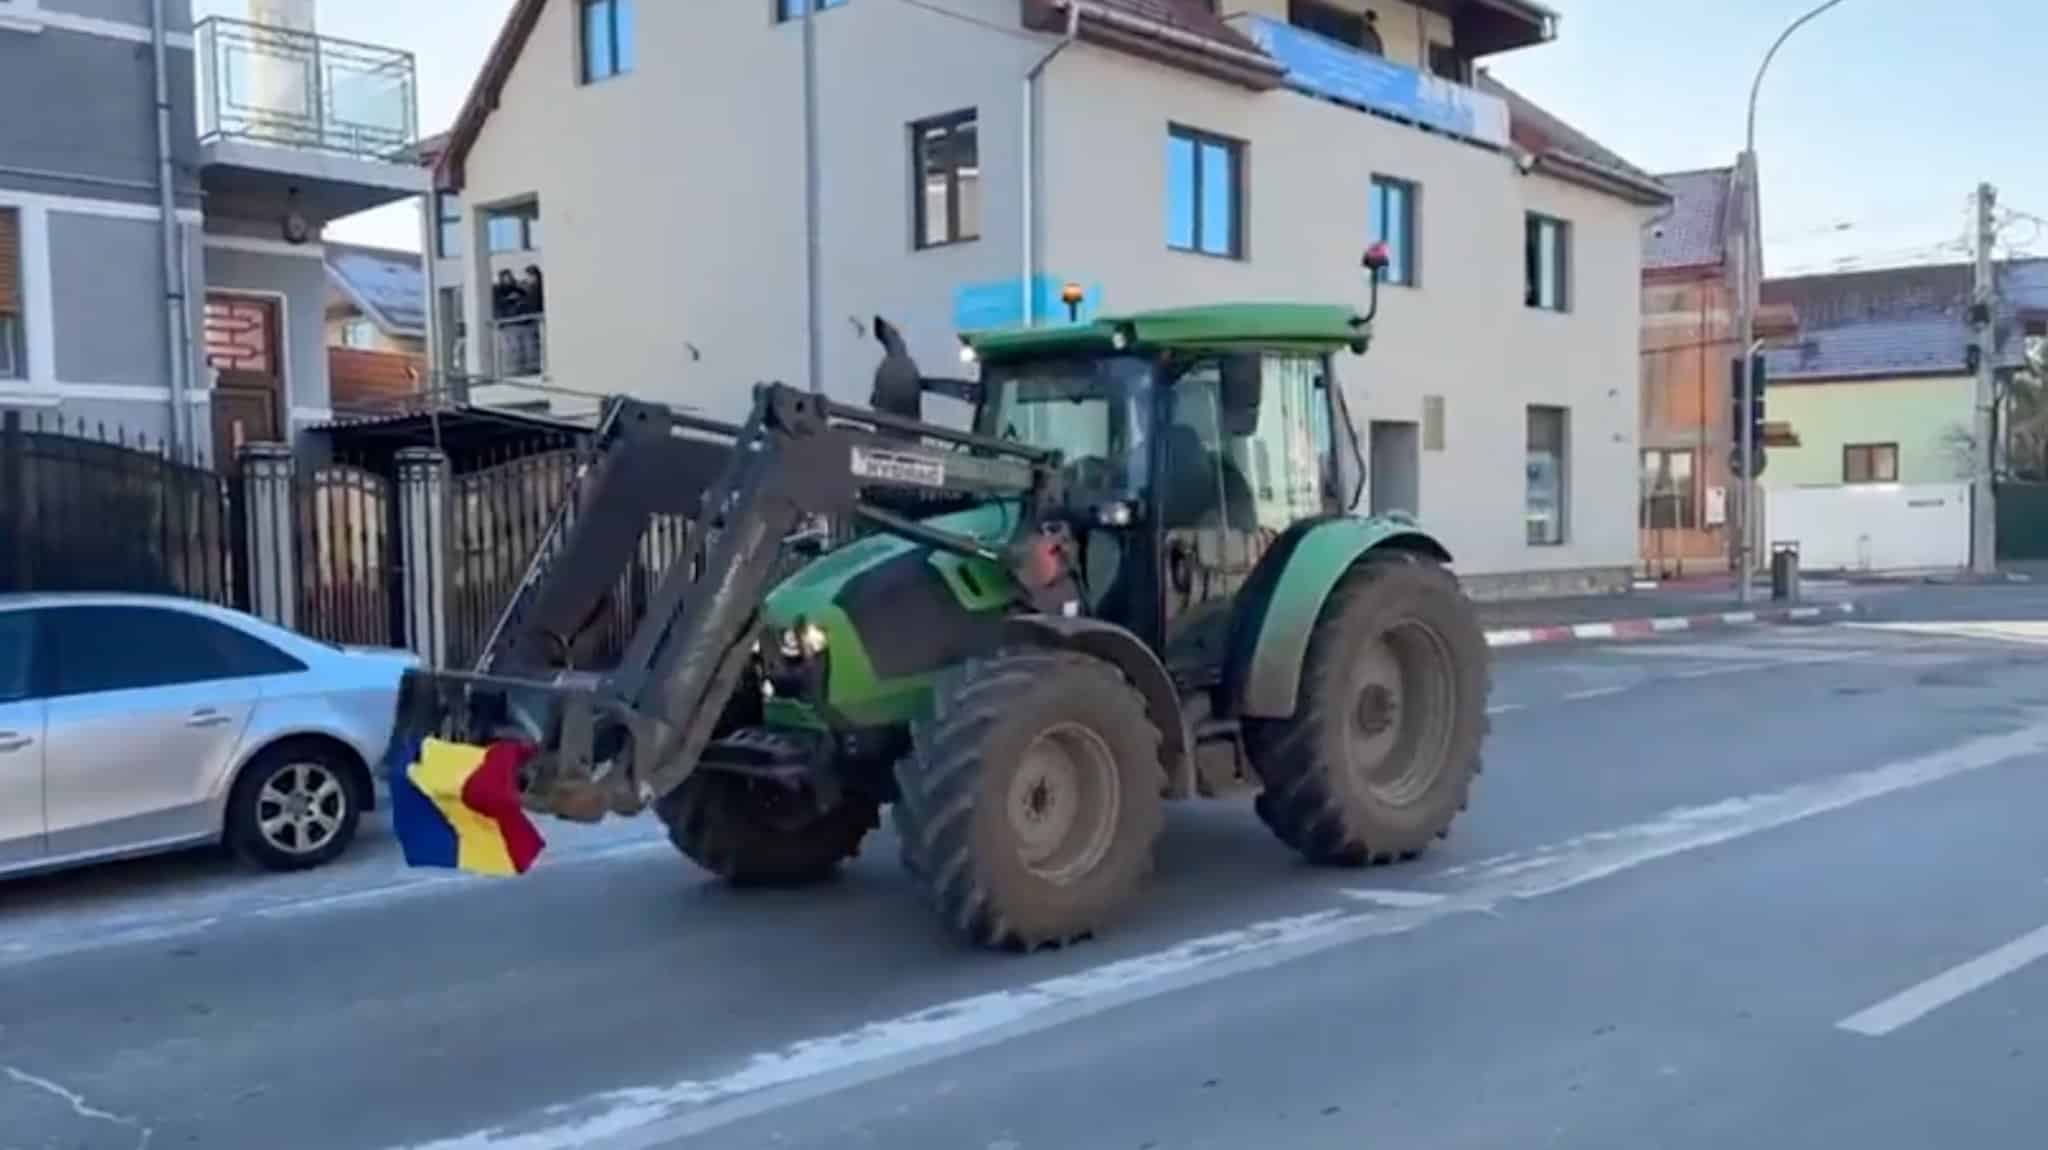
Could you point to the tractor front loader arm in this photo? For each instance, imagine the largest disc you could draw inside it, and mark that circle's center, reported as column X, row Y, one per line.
column 619, row 739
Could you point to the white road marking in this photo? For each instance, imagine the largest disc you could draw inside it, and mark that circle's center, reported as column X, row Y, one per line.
column 1504, row 708
column 1512, row 637
column 1909, row 1004
column 78, row 1104
column 1593, row 693
column 657, row 1114
column 1593, row 631
column 1670, row 623
column 2013, row 631
column 1397, row 899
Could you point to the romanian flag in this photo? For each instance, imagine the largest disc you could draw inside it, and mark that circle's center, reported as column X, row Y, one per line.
column 457, row 806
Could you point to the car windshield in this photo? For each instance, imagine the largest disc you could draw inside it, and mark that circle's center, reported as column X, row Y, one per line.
column 1093, row 410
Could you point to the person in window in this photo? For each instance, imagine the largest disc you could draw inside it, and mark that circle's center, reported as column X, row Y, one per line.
column 1369, row 36
column 507, row 297
column 530, row 286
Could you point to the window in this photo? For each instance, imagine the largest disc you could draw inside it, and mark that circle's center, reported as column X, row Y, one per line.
column 1870, row 463
column 13, row 348
column 945, row 162
column 1547, row 244
column 1393, row 224
column 786, row 10
column 1204, row 192
column 17, row 646
column 1544, row 501
column 1670, row 498
column 1352, row 29
column 512, row 233
column 607, row 39
column 359, row 333
column 447, row 225
column 1446, row 62
column 1284, row 455
column 129, row 648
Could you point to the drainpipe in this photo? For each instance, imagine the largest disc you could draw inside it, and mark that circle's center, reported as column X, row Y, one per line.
column 175, row 333
column 1030, row 165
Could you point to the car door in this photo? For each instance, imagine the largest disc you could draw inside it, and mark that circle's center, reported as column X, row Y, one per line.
column 21, row 742
column 146, row 708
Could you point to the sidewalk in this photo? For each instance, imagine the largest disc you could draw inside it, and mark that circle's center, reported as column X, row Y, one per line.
column 1690, row 605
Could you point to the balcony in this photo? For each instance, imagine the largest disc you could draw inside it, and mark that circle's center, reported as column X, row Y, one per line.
column 1319, row 66
column 291, row 121
column 521, row 347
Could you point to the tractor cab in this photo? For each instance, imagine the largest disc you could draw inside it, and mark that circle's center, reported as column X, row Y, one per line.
column 1189, row 440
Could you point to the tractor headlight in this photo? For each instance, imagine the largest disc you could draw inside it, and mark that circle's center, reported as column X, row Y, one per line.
column 806, row 640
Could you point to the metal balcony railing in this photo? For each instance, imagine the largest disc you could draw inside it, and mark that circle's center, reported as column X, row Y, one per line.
column 521, row 346
column 286, row 88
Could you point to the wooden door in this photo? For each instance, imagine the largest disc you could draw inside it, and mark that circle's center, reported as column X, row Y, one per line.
column 245, row 347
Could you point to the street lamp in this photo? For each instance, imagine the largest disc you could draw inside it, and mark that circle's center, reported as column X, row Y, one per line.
column 1745, row 336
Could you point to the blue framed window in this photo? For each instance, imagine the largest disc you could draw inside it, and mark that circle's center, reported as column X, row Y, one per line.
column 787, row 10
column 1393, row 224
column 607, row 39
column 1204, row 193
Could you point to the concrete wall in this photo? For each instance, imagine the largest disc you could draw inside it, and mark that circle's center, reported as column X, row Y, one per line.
column 685, row 282
column 1464, row 334
column 93, row 127
column 1917, row 414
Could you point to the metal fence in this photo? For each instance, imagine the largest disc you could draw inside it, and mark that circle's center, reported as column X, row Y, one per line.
column 343, row 527
column 83, row 508
column 500, row 520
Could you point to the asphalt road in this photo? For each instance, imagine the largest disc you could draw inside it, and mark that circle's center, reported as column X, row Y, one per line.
column 1778, row 887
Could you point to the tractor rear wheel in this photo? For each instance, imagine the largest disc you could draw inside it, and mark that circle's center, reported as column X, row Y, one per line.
column 1383, row 747
column 1031, row 799
column 759, row 832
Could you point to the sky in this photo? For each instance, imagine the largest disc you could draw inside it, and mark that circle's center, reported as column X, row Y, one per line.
column 1876, row 121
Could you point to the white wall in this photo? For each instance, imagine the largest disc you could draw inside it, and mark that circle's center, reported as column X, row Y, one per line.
column 1873, row 526
column 1463, row 333
column 682, row 187
column 672, row 201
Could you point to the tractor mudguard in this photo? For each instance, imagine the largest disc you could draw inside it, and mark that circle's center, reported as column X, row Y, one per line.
column 1279, row 604
column 1128, row 653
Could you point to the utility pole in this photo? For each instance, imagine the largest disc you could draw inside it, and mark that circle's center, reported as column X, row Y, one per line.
column 1984, row 315
column 814, row 322
column 1745, row 343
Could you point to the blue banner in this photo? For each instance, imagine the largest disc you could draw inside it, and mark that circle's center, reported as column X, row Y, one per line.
column 1324, row 67
column 1000, row 303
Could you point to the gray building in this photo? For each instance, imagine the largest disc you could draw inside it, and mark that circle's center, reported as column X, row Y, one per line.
column 206, row 328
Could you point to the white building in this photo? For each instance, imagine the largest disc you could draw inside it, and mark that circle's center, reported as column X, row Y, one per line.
column 1156, row 151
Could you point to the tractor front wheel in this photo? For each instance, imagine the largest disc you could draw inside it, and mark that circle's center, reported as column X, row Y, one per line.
column 1031, row 799
column 758, row 832
column 1383, row 747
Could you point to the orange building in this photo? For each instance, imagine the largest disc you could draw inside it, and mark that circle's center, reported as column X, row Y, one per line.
column 1693, row 260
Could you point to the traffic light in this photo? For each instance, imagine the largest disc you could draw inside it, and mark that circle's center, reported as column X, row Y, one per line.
column 1740, row 414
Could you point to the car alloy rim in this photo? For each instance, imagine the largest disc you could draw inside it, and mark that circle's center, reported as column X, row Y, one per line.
column 300, row 808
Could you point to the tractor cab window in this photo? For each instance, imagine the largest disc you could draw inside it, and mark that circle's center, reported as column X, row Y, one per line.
column 1249, row 443
column 1093, row 410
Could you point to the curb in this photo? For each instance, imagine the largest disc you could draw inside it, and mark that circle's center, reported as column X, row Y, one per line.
column 1660, row 625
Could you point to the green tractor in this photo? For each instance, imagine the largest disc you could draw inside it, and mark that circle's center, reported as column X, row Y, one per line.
column 1136, row 578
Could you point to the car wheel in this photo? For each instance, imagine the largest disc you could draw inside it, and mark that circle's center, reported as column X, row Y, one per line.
column 295, row 806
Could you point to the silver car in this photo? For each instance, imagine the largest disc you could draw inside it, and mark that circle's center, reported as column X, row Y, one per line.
column 133, row 724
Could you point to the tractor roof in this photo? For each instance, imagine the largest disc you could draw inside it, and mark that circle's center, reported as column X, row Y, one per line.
column 1279, row 326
